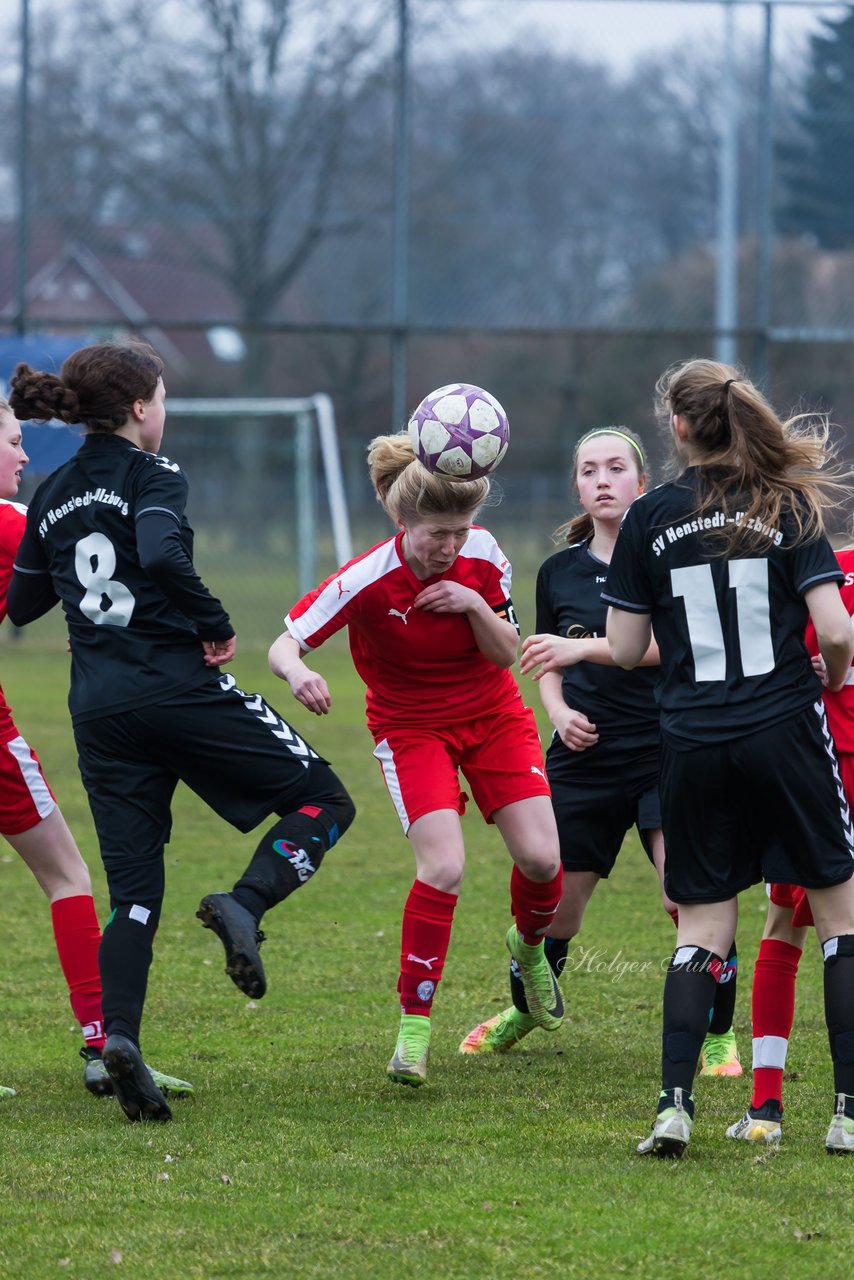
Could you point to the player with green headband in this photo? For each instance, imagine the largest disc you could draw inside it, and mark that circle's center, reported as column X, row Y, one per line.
column 603, row 760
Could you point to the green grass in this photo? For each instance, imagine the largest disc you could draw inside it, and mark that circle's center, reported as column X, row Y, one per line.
column 299, row 1159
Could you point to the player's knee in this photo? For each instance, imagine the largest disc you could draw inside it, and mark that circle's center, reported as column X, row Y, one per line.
column 339, row 812
column 332, row 805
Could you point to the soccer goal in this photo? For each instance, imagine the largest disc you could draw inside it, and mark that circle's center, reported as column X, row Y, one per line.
column 314, row 419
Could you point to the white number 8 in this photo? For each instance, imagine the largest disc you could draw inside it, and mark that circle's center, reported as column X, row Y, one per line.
column 107, row 603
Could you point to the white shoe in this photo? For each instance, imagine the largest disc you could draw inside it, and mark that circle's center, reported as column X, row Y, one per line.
column 752, row 1128
column 840, row 1135
column 671, row 1132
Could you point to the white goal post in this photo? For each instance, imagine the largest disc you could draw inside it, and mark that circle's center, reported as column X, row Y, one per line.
column 306, row 412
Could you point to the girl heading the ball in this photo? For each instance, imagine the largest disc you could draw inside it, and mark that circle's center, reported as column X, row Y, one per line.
column 433, row 634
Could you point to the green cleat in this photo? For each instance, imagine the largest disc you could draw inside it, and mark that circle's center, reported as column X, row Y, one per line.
column 409, row 1061
column 499, row 1034
column 171, row 1086
column 545, row 1003
column 719, row 1055
column 98, row 1082
column 6, row 1092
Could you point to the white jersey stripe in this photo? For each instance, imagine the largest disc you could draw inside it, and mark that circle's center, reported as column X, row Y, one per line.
column 31, row 773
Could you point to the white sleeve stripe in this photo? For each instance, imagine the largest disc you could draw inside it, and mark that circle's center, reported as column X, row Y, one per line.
column 162, row 511
column 342, row 589
column 481, row 545
column 35, row 572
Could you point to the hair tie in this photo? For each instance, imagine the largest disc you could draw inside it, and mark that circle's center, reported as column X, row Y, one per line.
column 728, row 384
column 612, row 431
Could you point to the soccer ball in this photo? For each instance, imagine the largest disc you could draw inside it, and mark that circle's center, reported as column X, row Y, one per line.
column 459, row 431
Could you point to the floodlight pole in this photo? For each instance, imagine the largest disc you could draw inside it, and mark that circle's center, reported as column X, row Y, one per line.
column 764, row 198
column 726, row 281
column 23, row 228
column 400, row 230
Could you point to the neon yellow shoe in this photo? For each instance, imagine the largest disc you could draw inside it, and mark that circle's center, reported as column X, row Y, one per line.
column 719, row 1056
column 499, row 1034
column 545, row 1003
column 6, row 1092
column 409, row 1061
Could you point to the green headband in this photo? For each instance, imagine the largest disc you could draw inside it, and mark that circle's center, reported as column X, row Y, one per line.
column 612, row 431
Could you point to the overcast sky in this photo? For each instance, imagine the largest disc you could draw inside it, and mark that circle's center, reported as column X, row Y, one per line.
column 621, row 30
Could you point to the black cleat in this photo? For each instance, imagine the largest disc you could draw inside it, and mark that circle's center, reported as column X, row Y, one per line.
column 239, row 934
column 138, row 1095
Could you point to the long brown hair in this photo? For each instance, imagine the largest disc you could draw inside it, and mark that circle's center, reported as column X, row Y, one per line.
column 581, row 527
column 752, row 462
column 408, row 492
column 96, row 385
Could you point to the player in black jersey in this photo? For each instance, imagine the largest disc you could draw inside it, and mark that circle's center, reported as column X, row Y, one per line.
column 603, row 760
column 725, row 564
column 107, row 536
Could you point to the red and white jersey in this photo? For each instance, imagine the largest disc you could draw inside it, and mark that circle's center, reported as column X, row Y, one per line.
column 420, row 668
column 13, row 519
column 840, row 706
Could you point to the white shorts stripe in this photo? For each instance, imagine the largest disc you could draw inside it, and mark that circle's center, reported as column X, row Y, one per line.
column 844, row 811
column 769, row 1051
column 33, row 780
column 385, row 755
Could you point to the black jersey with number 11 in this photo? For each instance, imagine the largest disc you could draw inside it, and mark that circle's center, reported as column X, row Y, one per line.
column 730, row 627
column 107, row 533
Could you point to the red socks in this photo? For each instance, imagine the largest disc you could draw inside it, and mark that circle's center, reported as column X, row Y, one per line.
column 425, row 934
column 773, row 1013
column 534, row 903
column 78, row 936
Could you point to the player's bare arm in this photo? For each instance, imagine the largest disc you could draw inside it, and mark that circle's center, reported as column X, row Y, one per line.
column 575, row 731
column 833, row 631
column 309, row 688
column 496, row 638
column 552, row 653
column 629, row 636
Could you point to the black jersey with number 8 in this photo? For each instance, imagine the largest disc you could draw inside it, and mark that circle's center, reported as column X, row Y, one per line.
column 134, row 634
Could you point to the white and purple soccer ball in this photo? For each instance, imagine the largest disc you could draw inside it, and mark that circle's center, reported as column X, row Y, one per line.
column 459, row 431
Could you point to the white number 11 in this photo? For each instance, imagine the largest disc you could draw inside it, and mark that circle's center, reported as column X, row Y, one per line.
column 749, row 580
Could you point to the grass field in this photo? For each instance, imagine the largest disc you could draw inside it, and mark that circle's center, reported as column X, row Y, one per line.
column 297, row 1158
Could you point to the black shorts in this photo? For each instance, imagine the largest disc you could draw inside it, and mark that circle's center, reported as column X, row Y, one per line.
column 597, row 795
column 231, row 748
column 769, row 805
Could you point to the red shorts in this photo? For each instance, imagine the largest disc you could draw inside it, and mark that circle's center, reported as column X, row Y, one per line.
column 25, row 798
column 499, row 756
column 792, row 895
